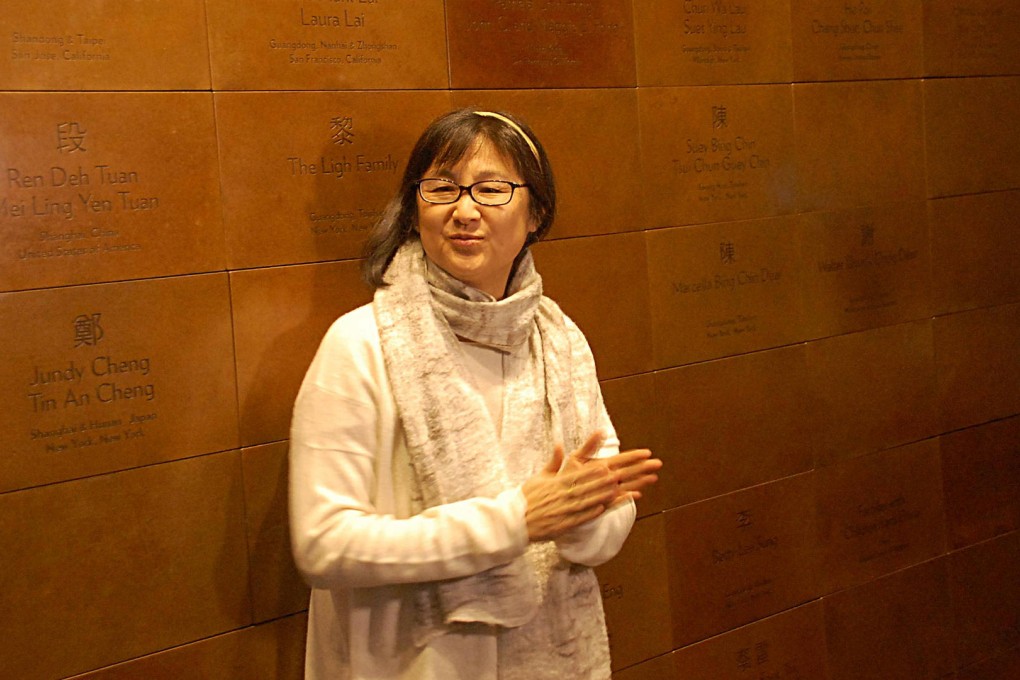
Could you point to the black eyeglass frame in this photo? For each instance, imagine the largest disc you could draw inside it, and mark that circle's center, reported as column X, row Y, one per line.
column 470, row 189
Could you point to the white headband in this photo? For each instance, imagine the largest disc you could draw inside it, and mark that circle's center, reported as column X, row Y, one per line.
column 515, row 126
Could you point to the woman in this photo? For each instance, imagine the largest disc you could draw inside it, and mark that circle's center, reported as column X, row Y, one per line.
column 442, row 528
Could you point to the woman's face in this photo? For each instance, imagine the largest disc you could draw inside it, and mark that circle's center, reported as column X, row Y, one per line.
column 475, row 243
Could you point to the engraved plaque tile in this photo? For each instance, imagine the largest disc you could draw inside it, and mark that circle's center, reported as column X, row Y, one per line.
column 973, row 140
column 899, row 626
column 276, row 585
column 327, row 44
column 974, row 250
column 68, row 45
column 703, row 42
column 735, row 422
column 138, row 560
column 660, row 668
column 1003, row 667
column 583, row 165
column 865, row 268
column 977, row 368
column 986, row 598
column 601, row 283
column 540, row 43
column 740, row 557
column 971, row 37
column 981, row 469
column 640, row 427
column 307, row 174
column 106, row 377
column 711, row 154
column 635, row 595
column 880, row 513
column 857, row 39
column 107, row 186
column 280, row 316
column 873, row 390
column 859, row 144
column 724, row 289
column 277, row 647
column 786, row 646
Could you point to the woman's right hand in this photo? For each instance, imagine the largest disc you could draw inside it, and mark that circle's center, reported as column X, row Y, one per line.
column 562, row 497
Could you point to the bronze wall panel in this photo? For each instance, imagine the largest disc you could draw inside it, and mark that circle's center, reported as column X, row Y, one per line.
column 873, row 390
column 724, row 289
column 1003, row 667
column 981, row 473
column 107, row 186
column 640, row 426
column 786, row 646
column 271, row 651
column 711, row 154
column 899, row 626
column 326, row 45
column 880, row 513
column 276, row 585
column 974, row 252
column 106, row 377
column 712, row 43
column 280, row 315
column 740, row 557
column 307, row 174
column 977, row 368
column 986, row 598
column 972, row 138
column 736, row 422
column 865, row 268
column 660, row 668
column 635, row 595
column 596, row 161
column 971, row 37
column 495, row 43
column 119, row 45
column 602, row 284
column 857, row 40
column 859, row 144
column 122, row 564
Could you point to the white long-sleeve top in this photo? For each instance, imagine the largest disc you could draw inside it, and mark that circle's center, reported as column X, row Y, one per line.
column 356, row 539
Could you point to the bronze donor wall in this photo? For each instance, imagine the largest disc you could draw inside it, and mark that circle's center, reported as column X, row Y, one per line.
column 789, row 229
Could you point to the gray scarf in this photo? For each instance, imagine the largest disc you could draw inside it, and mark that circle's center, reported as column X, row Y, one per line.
column 548, row 611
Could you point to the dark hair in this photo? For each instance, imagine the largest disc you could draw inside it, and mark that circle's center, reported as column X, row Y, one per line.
column 444, row 143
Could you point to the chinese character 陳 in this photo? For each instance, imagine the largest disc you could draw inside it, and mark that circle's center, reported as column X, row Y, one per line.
column 867, row 234
column 727, row 252
column 718, row 117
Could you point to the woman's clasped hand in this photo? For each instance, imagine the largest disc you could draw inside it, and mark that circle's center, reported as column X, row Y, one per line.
column 575, row 489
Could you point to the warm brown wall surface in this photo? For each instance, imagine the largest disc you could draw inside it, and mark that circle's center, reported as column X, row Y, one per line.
column 789, row 229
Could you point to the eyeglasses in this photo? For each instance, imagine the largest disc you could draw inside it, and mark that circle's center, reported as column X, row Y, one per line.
column 488, row 192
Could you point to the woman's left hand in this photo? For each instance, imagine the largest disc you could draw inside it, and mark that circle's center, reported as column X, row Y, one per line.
column 635, row 469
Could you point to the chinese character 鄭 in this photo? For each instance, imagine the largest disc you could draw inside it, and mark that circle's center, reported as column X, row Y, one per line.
column 343, row 130
column 70, row 138
column 87, row 330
